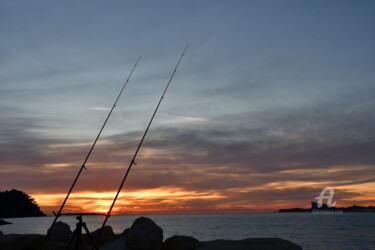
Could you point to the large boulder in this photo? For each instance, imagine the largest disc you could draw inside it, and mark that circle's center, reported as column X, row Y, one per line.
column 117, row 243
column 60, row 232
column 144, row 234
column 125, row 233
column 179, row 242
column 249, row 244
column 103, row 235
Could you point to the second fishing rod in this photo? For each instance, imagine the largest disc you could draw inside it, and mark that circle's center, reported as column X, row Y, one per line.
column 132, row 162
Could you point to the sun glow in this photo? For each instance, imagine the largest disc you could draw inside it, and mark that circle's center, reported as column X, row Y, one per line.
column 150, row 200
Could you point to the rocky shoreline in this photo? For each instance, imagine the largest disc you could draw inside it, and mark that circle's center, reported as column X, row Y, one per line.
column 144, row 234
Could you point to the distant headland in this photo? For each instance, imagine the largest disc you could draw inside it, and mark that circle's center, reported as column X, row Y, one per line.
column 324, row 207
column 15, row 203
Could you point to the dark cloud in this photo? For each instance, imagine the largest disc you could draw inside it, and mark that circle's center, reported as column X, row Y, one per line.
column 18, row 144
column 311, row 142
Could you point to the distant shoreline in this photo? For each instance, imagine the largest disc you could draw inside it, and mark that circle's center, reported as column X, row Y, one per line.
column 15, row 204
column 326, row 209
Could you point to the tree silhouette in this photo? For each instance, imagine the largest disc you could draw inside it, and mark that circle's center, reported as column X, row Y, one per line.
column 16, row 203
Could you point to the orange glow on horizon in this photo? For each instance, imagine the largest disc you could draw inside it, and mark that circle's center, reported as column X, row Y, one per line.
column 151, row 200
column 178, row 200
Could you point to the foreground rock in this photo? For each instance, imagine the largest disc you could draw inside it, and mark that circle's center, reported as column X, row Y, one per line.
column 179, row 242
column 60, row 232
column 144, row 234
column 119, row 242
column 3, row 222
column 102, row 236
column 21, row 242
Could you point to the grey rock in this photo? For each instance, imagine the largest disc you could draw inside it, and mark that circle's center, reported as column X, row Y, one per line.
column 144, row 234
column 249, row 244
column 60, row 232
column 1, row 233
column 179, row 242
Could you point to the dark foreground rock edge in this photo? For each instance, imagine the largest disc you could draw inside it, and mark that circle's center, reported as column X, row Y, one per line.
column 144, row 234
column 3, row 222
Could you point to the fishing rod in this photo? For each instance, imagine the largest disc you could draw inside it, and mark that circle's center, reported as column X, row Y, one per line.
column 58, row 214
column 132, row 162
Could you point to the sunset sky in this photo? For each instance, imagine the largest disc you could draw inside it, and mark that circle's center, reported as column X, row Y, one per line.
column 273, row 101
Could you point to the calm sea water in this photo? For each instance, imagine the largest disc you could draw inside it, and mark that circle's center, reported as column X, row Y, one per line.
column 311, row 231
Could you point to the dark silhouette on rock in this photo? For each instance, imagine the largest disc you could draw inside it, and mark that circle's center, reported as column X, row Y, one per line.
column 144, row 234
column 16, row 203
